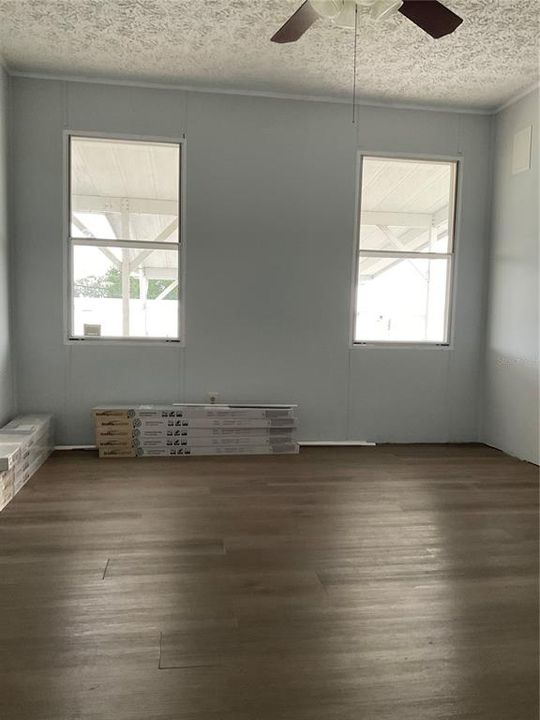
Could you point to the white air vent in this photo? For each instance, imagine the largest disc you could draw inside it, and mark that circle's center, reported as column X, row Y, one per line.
column 521, row 157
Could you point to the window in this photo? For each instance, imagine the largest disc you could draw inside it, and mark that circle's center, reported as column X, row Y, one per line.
column 124, row 239
column 405, row 251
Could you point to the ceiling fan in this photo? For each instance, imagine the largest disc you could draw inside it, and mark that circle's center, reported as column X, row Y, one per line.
column 430, row 15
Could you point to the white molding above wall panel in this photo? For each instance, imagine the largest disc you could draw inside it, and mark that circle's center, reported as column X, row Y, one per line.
column 336, row 443
column 517, row 98
column 74, row 447
column 460, row 110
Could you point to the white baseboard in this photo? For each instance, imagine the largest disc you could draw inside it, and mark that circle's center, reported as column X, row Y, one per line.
column 75, row 447
column 337, row 443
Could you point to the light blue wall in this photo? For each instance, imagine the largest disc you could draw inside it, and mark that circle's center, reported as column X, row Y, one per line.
column 510, row 417
column 269, row 219
column 7, row 404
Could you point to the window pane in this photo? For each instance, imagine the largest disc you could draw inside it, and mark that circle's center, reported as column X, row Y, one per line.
column 123, row 190
column 407, row 205
column 402, row 300
column 121, row 292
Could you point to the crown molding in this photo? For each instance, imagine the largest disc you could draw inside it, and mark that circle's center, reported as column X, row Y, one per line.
column 362, row 102
column 516, row 98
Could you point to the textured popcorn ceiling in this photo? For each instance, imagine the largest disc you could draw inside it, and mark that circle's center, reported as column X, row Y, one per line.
column 225, row 44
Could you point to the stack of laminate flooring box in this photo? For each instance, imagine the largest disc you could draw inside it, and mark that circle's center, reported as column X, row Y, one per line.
column 156, row 430
column 25, row 444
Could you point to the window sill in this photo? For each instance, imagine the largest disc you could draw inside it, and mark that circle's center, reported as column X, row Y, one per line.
column 124, row 342
column 401, row 345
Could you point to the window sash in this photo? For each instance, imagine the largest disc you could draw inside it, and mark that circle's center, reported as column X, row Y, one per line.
column 85, row 241
column 125, row 244
column 452, row 191
column 449, row 255
column 145, row 244
column 406, row 254
column 116, row 203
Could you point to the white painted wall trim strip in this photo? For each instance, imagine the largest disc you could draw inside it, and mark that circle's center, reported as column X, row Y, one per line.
column 75, row 447
column 254, row 93
column 518, row 97
column 337, row 443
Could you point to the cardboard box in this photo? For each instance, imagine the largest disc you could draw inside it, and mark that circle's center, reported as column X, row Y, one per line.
column 196, row 411
column 40, row 437
column 20, row 481
column 289, row 448
column 116, row 442
column 25, row 443
column 190, row 431
column 10, row 455
column 34, row 466
column 212, row 423
column 111, row 422
column 111, row 413
column 22, row 423
column 29, row 425
column 111, row 452
column 191, row 442
column 123, row 431
column 108, row 433
column 7, row 487
column 213, row 412
column 5, row 500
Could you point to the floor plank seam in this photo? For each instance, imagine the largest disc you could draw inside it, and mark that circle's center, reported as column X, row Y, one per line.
column 106, row 568
column 321, row 583
column 188, row 667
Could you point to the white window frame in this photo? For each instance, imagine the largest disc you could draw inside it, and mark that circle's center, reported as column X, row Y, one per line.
column 69, row 242
column 454, row 223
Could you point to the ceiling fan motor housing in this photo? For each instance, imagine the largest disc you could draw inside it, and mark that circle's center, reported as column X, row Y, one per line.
column 329, row 9
column 431, row 16
column 342, row 12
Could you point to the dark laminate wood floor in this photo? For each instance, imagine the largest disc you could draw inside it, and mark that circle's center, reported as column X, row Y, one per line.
column 388, row 583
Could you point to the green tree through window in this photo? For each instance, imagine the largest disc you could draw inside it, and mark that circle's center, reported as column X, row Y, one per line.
column 109, row 285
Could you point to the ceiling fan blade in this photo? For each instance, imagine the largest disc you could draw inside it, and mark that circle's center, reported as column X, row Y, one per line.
column 297, row 24
column 432, row 16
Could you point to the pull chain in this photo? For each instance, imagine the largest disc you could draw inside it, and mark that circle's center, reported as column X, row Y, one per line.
column 354, row 62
